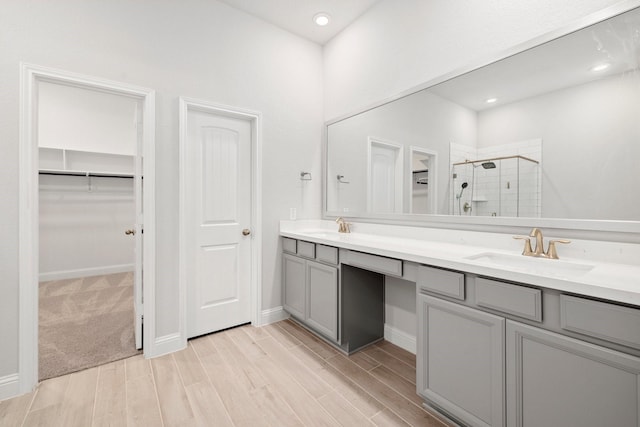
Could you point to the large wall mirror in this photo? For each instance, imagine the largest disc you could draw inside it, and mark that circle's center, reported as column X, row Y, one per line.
column 550, row 132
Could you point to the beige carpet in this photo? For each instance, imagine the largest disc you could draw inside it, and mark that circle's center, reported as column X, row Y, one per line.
column 85, row 322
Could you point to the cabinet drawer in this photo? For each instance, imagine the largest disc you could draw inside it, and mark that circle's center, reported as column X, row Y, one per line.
column 609, row 322
column 306, row 249
column 327, row 254
column 289, row 245
column 443, row 282
column 509, row 298
column 380, row 264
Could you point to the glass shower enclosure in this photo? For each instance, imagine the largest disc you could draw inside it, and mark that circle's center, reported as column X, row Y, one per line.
column 501, row 186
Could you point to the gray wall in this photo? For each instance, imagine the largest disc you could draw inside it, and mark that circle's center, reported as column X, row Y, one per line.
column 194, row 48
column 400, row 305
column 422, row 120
column 399, row 44
column 590, row 149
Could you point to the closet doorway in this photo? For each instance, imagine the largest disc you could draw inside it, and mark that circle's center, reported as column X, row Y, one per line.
column 422, row 186
column 88, row 200
column 85, row 139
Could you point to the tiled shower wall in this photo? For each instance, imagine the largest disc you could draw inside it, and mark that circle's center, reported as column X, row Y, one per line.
column 512, row 189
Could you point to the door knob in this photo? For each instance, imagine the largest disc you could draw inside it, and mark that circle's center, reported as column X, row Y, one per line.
column 246, row 232
column 128, row 232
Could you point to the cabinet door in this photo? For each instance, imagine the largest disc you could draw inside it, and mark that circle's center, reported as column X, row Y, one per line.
column 293, row 273
column 322, row 299
column 460, row 361
column 553, row 380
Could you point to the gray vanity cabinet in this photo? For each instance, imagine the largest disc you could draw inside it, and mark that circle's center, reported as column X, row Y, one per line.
column 294, row 283
column 311, row 287
column 461, row 361
column 554, row 380
column 489, row 355
column 322, row 298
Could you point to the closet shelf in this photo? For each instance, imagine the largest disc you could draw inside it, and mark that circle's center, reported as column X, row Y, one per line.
column 60, row 161
column 84, row 173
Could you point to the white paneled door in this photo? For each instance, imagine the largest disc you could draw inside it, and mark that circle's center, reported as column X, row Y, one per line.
column 385, row 177
column 217, row 162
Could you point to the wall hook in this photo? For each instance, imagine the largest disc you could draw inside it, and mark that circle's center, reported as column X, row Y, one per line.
column 305, row 176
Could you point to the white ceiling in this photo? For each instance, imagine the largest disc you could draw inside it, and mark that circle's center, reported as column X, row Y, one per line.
column 296, row 16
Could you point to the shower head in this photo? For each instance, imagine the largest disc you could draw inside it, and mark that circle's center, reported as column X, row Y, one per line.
column 464, row 185
column 489, row 165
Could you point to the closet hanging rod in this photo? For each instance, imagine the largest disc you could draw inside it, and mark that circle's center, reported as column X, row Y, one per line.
column 87, row 174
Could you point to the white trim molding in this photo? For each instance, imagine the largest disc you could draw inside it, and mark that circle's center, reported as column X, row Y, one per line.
column 273, row 315
column 30, row 76
column 84, row 272
column 255, row 119
column 9, row 386
column 400, row 338
column 167, row 344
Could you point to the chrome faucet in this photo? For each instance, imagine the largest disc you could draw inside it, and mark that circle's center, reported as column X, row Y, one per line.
column 539, row 251
column 343, row 227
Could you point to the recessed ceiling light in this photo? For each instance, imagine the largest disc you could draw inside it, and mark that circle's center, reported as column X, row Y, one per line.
column 491, row 100
column 321, row 19
column 600, row 67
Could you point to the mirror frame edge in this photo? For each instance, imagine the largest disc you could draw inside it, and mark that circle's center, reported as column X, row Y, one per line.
column 605, row 230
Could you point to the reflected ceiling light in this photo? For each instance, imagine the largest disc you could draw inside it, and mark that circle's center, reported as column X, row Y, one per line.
column 600, row 67
column 321, row 19
column 491, row 100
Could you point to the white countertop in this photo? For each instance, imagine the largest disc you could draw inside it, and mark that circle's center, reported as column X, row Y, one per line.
column 616, row 281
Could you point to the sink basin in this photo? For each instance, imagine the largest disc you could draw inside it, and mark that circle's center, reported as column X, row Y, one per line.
column 541, row 266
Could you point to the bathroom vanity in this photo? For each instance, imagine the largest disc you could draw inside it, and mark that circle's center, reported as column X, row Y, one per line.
column 489, row 348
column 342, row 302
column 501, row 340
column 504, row 339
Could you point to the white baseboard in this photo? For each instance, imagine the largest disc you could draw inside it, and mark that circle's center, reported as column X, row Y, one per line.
column 273, row 315
column 164, row 345
column 400, row 338
column 9, row 386
column 85, row 272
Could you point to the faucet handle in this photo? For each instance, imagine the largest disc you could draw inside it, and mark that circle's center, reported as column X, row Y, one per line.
column 527, row 245
column 551, row 251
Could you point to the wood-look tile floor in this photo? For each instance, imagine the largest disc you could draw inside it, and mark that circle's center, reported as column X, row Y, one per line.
column 277, row 375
